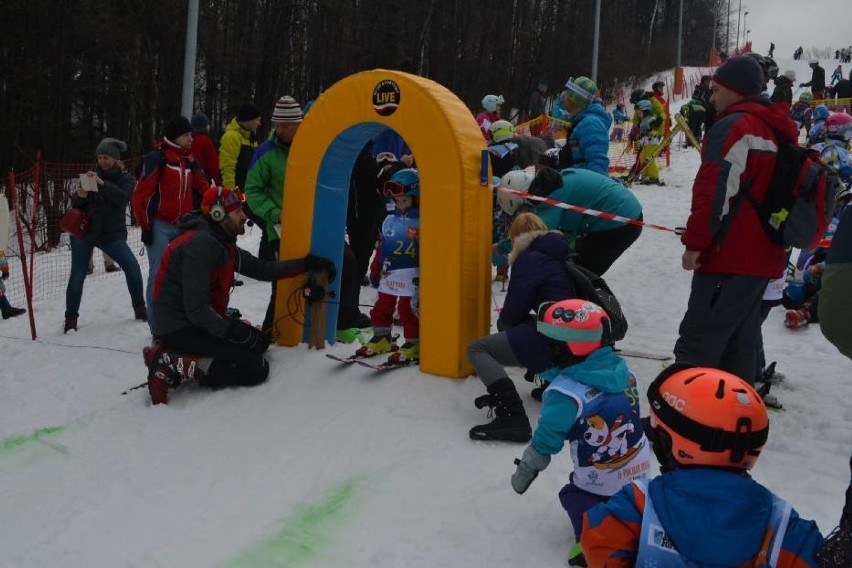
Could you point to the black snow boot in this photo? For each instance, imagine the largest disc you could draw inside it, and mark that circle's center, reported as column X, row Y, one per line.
column 511, row 423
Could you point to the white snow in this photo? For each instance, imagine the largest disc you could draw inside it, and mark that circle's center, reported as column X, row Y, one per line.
column 326, row 466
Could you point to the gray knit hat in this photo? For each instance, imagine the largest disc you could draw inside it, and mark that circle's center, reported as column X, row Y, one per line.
column 287, row 110
column 111, row 147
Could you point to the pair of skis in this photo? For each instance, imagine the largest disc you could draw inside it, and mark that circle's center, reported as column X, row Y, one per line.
column 364, row 361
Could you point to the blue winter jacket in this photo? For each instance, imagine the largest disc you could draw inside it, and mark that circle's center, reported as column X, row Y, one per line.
column 593, row 191
column 538, row 275
column 602, row 369
column 589, row 139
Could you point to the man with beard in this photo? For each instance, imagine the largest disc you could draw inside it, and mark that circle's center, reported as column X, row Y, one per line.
column 197, row 336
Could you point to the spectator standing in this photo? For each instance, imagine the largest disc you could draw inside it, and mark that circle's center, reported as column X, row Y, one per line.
column 6, row 309
column 107, row 231
column 783, row 92
column 726, row 246
column 236, row 154
column 817, row 82
column 169, row 181
column 203, row 147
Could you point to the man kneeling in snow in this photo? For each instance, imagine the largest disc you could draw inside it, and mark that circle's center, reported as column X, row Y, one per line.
column 194, row 336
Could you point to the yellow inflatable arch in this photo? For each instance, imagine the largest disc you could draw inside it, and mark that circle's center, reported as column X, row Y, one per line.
column 455, row 205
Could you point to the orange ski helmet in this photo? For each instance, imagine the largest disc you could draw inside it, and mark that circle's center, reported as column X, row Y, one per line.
column 706, row 417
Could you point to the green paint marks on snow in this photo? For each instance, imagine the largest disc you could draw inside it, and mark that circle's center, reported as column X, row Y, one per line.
column 304, row 534
column 15, row 442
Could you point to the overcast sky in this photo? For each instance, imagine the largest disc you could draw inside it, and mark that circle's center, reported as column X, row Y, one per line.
column 791, row 23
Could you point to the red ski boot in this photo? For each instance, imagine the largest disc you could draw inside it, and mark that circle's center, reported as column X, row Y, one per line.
column 797, row 318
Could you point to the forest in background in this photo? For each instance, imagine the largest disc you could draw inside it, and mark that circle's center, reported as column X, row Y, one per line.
column 78, row 70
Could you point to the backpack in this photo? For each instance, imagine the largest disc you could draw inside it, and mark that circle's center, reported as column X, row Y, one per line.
column 797, row 206
column 589, row 286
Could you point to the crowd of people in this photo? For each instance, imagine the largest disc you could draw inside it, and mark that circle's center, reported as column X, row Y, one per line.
column 708, row 419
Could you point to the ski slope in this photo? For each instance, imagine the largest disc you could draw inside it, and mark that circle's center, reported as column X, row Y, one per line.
column 325, row 466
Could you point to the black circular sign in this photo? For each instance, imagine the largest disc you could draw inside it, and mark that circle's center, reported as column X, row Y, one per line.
column 386, row 97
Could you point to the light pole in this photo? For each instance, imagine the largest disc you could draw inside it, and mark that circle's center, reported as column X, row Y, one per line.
column 728, row 29
column 745, row 27
column 739, row 19
column 746, row 37
column 596, row 42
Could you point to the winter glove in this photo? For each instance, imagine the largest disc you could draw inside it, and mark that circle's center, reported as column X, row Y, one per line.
column 529, row 465
column 147, row 237
column 248, row 336
column 316, row 263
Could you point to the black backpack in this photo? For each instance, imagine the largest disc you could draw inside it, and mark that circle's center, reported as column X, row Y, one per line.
column 797, row 206
column 590, row 286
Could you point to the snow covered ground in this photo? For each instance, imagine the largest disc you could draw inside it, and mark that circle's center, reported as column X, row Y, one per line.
column 325, row 466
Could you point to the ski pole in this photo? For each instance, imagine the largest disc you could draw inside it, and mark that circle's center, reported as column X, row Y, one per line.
column 139, row 386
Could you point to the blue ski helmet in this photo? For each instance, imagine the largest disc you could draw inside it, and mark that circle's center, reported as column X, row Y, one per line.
column 645, row 105
column 403, row 182
column 820, row 112
column 491, row 102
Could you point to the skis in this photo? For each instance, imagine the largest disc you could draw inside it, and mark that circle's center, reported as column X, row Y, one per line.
column 684, row 126
column 387, row 365
column 642, row 355
column 638, row 169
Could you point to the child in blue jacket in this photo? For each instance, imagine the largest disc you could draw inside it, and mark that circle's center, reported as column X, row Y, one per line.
column 707, row 429
column 593, row 403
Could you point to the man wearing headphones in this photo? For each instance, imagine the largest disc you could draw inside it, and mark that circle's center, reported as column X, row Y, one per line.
column 196, row 338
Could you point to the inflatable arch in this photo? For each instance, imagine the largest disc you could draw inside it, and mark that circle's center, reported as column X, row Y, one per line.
column 455, row 205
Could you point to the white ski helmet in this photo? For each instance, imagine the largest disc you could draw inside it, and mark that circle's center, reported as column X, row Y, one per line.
column 490, row 102
column 519, row 180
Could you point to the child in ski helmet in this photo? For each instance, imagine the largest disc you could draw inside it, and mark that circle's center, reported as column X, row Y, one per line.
column 651, row 129
column 816, row 132
column 707, row 428
column 593, row 403
column 801, row 111
column 490, row 113
column 396, row 267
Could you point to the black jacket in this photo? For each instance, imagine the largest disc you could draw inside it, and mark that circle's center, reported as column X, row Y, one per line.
column 109, row 220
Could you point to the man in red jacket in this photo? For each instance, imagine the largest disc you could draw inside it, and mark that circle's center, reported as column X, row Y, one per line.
column 203, row 147
column 726, row 246
column 170, row 186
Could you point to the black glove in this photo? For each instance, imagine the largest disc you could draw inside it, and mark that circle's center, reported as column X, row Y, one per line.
column 147, row 237
column 546, row 181
column 247, row 336
column 316, row 263
column 656, row 121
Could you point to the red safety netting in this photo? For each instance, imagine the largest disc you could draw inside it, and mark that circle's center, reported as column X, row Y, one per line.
column 39, row 252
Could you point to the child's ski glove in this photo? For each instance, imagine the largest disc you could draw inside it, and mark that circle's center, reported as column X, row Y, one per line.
column 529, row 465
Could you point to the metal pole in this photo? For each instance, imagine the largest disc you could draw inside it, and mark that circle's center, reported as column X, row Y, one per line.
column 189, row 58
column 596, row 42
column 728, row 28
column 745, row 25
column 715, row 23
column 679, row 34
column 739, row 15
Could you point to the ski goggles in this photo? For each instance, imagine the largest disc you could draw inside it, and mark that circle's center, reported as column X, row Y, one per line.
column 394, row 189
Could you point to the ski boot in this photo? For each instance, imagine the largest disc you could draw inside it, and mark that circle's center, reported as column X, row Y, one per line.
column 349, row 335
column 377, row 345
column 797, row 318
column 70, row 323
column 770, row 375
column 836, row 550
column 511, row 423
column 410, row 351
column 576, row 556
column 166, row 370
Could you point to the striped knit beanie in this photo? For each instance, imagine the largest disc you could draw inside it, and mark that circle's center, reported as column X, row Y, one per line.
column 287, row 110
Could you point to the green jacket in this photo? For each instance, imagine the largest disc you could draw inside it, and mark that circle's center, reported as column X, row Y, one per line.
column 264, row 187
column 235, row 154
